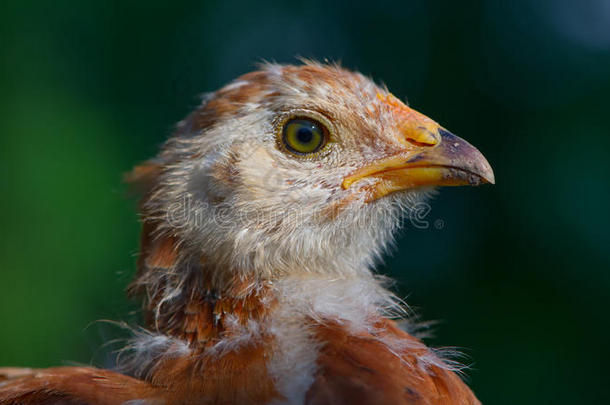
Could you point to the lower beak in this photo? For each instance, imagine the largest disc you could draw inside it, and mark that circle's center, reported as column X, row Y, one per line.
column 451, row 161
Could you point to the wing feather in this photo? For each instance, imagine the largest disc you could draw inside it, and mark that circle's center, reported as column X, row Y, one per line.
column 72, row 386
column 388, row 366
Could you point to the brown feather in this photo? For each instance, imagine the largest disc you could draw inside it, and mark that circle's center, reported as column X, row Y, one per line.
column 360, row 369
column 237, row 377
column 143, row 177
column 73, row 385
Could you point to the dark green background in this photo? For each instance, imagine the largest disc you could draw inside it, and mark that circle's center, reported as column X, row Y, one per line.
column 519, row 273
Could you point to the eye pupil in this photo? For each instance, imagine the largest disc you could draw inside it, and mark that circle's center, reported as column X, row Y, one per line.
column 305, row 135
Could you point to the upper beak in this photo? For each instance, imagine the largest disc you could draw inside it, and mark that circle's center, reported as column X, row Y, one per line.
column 432, row 156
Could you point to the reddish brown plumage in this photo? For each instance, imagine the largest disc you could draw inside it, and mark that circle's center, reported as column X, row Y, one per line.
column 354, row 368
column 238, row 377
column 72, row 386
column 359, row 369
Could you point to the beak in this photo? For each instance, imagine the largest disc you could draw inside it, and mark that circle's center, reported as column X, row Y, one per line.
column 432, row 156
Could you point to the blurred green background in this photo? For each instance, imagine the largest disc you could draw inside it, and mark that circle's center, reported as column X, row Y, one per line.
column 518, row 273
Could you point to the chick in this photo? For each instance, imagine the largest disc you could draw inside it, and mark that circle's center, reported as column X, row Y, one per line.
column 263, row 218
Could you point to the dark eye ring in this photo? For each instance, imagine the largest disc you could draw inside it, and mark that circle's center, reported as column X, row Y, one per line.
column 304, row 135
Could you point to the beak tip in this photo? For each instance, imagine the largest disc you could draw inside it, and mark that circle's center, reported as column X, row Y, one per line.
column 465, row 156
column 487, row 173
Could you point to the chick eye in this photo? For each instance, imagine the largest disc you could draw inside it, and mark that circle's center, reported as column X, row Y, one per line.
column 303, row 135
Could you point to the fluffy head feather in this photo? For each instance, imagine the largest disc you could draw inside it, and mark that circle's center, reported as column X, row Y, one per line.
column 227, row 192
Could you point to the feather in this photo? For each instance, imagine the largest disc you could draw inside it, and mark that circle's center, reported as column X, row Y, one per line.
column 73, row 386
column 387, row 367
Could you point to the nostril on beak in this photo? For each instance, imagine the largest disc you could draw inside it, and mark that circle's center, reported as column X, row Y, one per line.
column 421, row 136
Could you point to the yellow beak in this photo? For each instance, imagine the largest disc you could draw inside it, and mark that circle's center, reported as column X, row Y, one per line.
column 432, row 156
